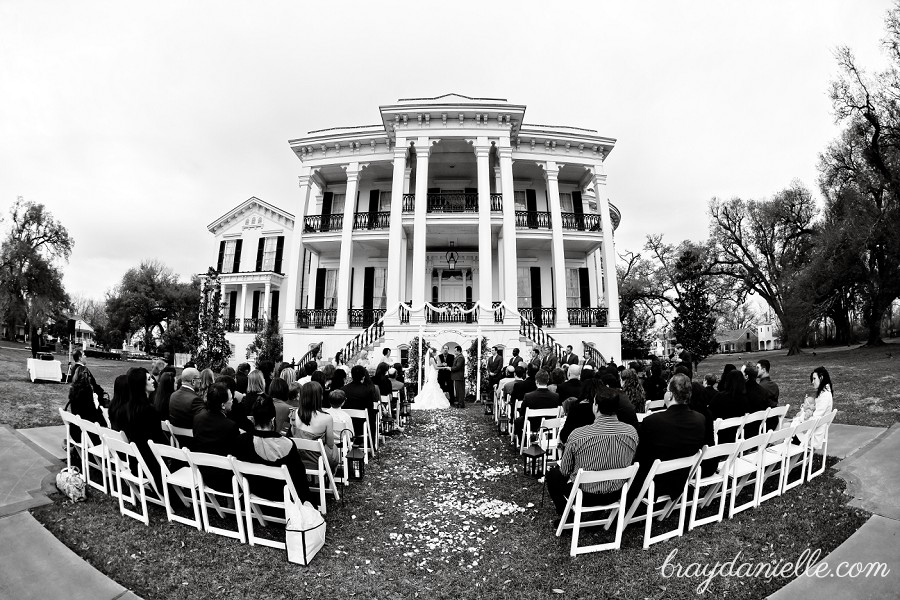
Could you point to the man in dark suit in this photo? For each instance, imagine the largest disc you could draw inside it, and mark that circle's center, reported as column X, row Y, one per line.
column 360, row 396
column 495, row 366
column 520, row 388
column 572, row 386
column 541, row 397
column 676, row 432
column 458, row 376
column 570, row 358
column 185, row 402
column 685, row 358
column 549, row 360
column 515, row 360
column 444, row 359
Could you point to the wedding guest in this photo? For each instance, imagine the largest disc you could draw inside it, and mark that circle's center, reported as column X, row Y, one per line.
column 341, row 419
column 824, row 401
column 214, row 432
column 632, row 387
column 765, row 381
column 288, row 374
column 313, row 423
column 164, row 389
column 279, row 392
column 137, row 418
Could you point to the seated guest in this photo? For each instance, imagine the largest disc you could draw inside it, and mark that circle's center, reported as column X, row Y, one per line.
column 207, row 378
column 165, row 387
column 572, row 386
column 632, row 387
column 294, row 394
column 523, row 387
column 605, row 444
column 339, row 379
column 766, row 383
column 757, row 397
column 119, row 398
column 81, row 403
column 519, row 374
column 214, row 432
column 308, row 369
column 730, row 402
column 318, row 377
column 185, row 402
column 328, row 372
column 676, row 432
column 241, row 377
column 312, row 423
column 728, row 368
column 265, row 446
column 342, row 420
column 256, row 385
column 509, row 375
column 587, row 372
column 540, row 398
column 280, row 394
column 557, row 378
column 137, row 418
column 288, row 374
column 654, row 385
column 580, row 414
column 361, row 396
column 235, row 410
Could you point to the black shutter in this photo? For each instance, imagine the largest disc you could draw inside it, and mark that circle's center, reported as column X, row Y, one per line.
column 536, row 294
column 259, row 253
column 236, row 266
column 232, row 306
column 374, row 195
column 279, row 253
column 368, row 287
column 578, row 207
column 254, row 314
column 320, row 289
column 221, row 256
column 585, row 282
column 531, row 207
column 327, row 199
column 273, row 313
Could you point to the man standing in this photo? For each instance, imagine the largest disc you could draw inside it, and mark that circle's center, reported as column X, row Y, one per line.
column 443, row 376
column 495, row 366
column 548, row 360
column 386, row 356
column 766, row 383
column 515, row 360
column 605, row 444
column 458, row 376
column 685, row 359
column 185, row 402
column 570, row 357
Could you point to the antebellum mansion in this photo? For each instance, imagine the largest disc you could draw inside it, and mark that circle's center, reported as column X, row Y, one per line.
column 451, row 217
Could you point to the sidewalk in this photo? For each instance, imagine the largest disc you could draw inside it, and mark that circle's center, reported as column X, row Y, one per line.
column 33, row 563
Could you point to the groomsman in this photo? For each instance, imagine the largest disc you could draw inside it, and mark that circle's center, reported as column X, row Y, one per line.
column 548, row 360
column 570, row 358
column 515, row 360
column 495, row 366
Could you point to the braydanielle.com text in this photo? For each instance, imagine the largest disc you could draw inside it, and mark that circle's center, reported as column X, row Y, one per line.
column 807, row 563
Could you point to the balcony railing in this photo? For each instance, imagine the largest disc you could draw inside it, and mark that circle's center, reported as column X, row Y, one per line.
column 588, row 317
column 540, row 316
column 498, row 314
column 363, row 317
column 453, row 314
column 532, row 219
column 316, row 317
column 453, row 203
column 323, row 223
column 254, row 325
column 581, row 222
column 371, row 220
column 409, row 203
column 496, row 202
column 404, row 312
column 232, row 325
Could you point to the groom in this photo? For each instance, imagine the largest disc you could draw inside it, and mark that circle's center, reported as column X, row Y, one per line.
column 457, row 376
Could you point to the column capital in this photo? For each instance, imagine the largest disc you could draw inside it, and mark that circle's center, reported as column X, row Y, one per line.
column 551, row 169
column 482, row 151
column 505, row 152
column 303, row 180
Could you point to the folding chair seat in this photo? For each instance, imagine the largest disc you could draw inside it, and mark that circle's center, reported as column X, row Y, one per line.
column 106, row 432
column 823, row 425
column 775, row 417
column 529, row 435
column 74, row 423
column 797, row 455
column 548, row 439
column 735, row 423
column 95, row 458
column 142, row 488
column 754, row 424
column 254, row 505
column 648, row 499
column 654, row 405
column 367, row 444
column 211, row 497
column 722, row 456
column 575, row 504
column 179, row 436
column 774, row 457
column 320, row 470
column 746, row 469
column 180, row 479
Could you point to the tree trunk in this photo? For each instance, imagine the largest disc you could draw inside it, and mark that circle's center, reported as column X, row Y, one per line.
column 872, row 316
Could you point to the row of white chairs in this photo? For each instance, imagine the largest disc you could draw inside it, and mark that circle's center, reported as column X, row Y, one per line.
column 751, row 461
column 759, row 418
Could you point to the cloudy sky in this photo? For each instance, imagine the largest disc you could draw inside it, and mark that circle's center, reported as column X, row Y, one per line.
column 137, row 124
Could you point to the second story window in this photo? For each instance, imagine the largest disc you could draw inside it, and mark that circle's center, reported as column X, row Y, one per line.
column 230, row 258
column 565, row 202
column 268, row 263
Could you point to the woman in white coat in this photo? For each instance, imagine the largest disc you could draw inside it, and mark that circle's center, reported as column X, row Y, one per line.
column 821, row 383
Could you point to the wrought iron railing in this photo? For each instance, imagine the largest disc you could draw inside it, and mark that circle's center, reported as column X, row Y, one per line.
column 323, row 223
column 404, row 311
column 538, row 336
column 311, row 356
column 232, row 325
column 364, row 339
column 532, row 219
column 254, row 325
column 588, row 317
column 453, row 203
column 496, row 202
column 363, row 317
column 593, row 355
column 539, row 315
column 316, row 317
column 409, row 203
column 498, row 314
column 581, row 222
column 371, row 220
column 453, row 313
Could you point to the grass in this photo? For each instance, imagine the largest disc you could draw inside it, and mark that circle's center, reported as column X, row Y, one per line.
column 416, row 527
column 25, row 404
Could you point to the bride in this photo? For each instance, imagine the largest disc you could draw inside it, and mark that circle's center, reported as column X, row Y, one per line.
column 432, row 396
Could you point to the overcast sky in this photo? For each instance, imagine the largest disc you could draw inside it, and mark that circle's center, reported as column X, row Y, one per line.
column 138, row 125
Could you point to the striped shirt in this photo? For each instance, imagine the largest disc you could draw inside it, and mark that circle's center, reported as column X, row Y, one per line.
column 605, row 444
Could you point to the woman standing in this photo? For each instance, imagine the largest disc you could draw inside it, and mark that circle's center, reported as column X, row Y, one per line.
column 432, row 397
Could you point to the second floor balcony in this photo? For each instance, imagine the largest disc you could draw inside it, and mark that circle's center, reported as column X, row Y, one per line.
column 452, row 202
column 362, row 221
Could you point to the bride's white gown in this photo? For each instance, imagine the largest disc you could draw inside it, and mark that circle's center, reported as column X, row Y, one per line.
column 432, row 396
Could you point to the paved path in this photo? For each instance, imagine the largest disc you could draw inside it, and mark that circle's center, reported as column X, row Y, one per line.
column 33, row 563
column 873, row 476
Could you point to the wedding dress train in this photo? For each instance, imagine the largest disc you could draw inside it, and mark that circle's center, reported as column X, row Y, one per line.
column 432, row 396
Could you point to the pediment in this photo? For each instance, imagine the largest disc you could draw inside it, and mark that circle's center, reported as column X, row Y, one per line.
column 253, row 213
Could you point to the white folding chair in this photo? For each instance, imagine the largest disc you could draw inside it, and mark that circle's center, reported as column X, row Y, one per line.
column 342, row 472
column 746, row 469
column 253, row 504
column 512, row 417
column 176, row 432
column 732, row 423
column 716, row 484
column 654, row 405
column 181, row 479
column 320, row 470
column 774, row 459
column 106, row 432
column 755, row 420
column 650, row 501
column 778, row 412
column 142, row 487
column 95, row 455
column 528, row 435
column 210, row 497
column 549, row 439
column 72, row 421
column 822, row 425
column 575, row 504
column 797, row 455
column 368, row 445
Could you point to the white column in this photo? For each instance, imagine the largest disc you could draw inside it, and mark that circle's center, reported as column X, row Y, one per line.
column 551, row 172
column 292, row 258
column 404, row 265
column 498, row 182
column 485, row 273
column 222, row 298
column 343, row 288
column 608, row 255
column 440, row 286
column 243, row 305
column 266, row 314
column 510, row 257
column 423, row 149
column 395, row 232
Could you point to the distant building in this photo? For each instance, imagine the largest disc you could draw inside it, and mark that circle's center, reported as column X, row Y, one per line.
column 738, row 340
column 767, row 337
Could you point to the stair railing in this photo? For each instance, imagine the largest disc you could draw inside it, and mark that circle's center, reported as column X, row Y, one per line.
column 592, row 354
column 538, row 336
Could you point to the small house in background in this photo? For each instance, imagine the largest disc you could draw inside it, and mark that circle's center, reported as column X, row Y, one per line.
column 767, row 336
column 84, row 334
column 738, row 340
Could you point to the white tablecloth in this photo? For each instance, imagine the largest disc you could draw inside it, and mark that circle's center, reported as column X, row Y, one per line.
column 47, row 370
